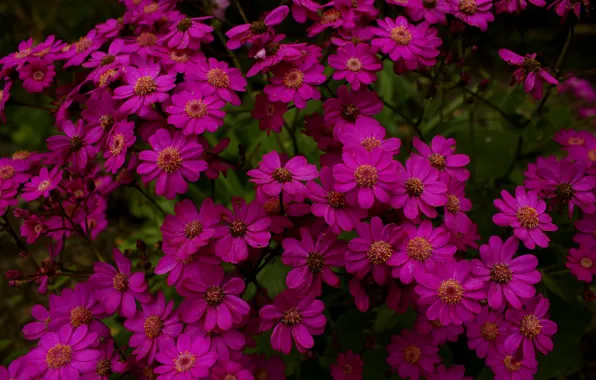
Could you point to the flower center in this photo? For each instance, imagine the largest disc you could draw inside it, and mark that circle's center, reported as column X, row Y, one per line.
column 414, row 187
column 354, row 65
column 106, row 121
column 349, row 112
column 564, row 192
column 195, row 108
column 178, row 56
column 468, row 7
column 169, row 160
column 452, row 204
column 193, row 229
column 238, row 228
column 153, row 326
column 146, row 39
column 21, row 155
column 145, row 85
column 500, row 273
column 450, row 291
column 370, row 143
column 419, row 249
column 120, row 282
column 153, row 7
column 105, row 77
column 586, row 262
column 21, row 54
column 293, row 79
column 437, row 161
column 379, row 252
column 80, row 316
column 185, row 361
column 511, row 364
column 184, row 24
column 39, row 228
column 429, row 4
column 117, row 144
column 6, row 172
column 107, row 59
column 270, row 111
column 347, row 369
column 218, row 78
column 531, row 65
column 230, row 377
column 336, row 199
column 291, row 317
column 104, row 368
column 83, row 44
column 527, row 217
column 436, row 324
column 315, row 262
column 58, row 356
column 575, row 141
column 592, row 154
column 366, row 176
column 272, row 48
column 330, row 16
column 530, row 326
column 38, row 75
column 401, row 35
column 489, row 331
column 412, row 354
column 258, row 27
column 272, row 207
column 44, row 185
column 282, row 175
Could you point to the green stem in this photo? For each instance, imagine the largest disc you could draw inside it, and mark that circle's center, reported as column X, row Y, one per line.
column 151, row 200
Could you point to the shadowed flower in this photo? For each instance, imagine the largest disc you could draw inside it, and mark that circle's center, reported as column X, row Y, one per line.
column 76, row 146
column 412, row 355
column 528, row 71
column 42, row 184
column 258, row 31
column 439, row 333
column 477, row 13
column 348, row 366
column 119, row 140
column 486, row 333
column 108, row 362
column 368, row 136
column 225, row 370
column 351, row 108
column 582, row 262
column 508, row 366
column 269, row 114
column 37, row 75
column 187, row 357
column 432, row 11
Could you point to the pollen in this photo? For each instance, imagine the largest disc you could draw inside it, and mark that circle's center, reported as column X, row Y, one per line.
column 106, row 121
column 291, row 317
column 21, row 155
column 103, row 368
column 564, row 192
column 169, row 160
column 450, row 291
column 193, row 229
column 586, row 262
column 468, row 7
column 58, row 356
column 293, row 79
column 315, row 262
column 501, row 273
column 179, row 56
column 282, row 175
column 258, row 27
column 272, row 208
column 489, row 331
column 366, row 176
column 153, row 7
column 195, row 108
column 83, row 44
column 330, row 16
column 511, row 364
column 336, row 199
column 592, row 154
column 419, row 249
column 146, row 39
column 527, row 217
column 218, row 78
column 44, row 185
column 106, row 77
column 185, row 361
column 120, row 282
column 412, row 354
column 401, row 35
column 379, row 252
column 414, row 187
column 145, row 85
column 80, row 316
column 117, row 144
column 153, row 326
column 38, row 75
column 349, row 112
column 270, row 111
column 238, row 228
column 437, row 161
column 371, row 143
column 575, row 141
column 347, row 369
column 354, row 65
column 452, row 204
column 184, row 24
column 530, row 326
column 107, row 59
column 6, row 171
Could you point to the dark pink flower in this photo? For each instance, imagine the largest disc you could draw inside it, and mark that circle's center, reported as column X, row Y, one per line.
column 455, row 219
column 211, row 75
column 42, row 184
column 296, row 83
column 563, row 7
column 412, row 355
column 37, row 75
column 182, row 267
column 226, row 344
column 8, row 195
column 110, row 28
column 477, row 13
column 432, row 11
column 80, row 50
column 505, row 6
column 351, row 108
column 569, row 138
column 508, row 366
column 582, row 263
column 303, row 9
column 187, row 357
column 76, row 146
column 225, row 370
column 180, row 60
column 18, row 58
column 335, row 18
column 100, row 112
column 16, row 369
column 14, row 171
column 35, row 330
column 269, row 114
column 486, row 333
column 369, row 136
column 439, row 333
column 4, row 96
column 441, row 155
column 115, row 57
column 258, row 31
column 455, row 372
column 586, row 228
column 356, row 64
column 188, row 33
column 348, row 366
column 108, row 362
column 272, row 368
column 195, row 113
column 119, row 140
column 146, row 45
column 467, row 239
column 528, row 71
column 272, row 53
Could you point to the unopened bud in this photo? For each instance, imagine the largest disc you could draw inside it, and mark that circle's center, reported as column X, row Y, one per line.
column 483, row 84
column 464, row 78
column 13, row 274
column 20, row 213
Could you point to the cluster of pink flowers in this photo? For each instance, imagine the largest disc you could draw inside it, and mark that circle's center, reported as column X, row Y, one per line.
column 146, row 112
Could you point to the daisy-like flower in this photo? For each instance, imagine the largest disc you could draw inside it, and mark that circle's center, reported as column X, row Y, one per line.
column 368, row 136
column 530, row 328
column 351, row 108
column 63, row 354
column 77, row 146
column 356, row 64
column 336, row 17
column 227, row 369
column 211, row 298
column 348, row 366
column 365, row 176
column 372, row 249
column 180, row 60
column 419, row 252
column 486, row 333
column 225, row 343
column 189, row 33
column 431, row 11
column 174, row 161
column 8, row 195
column 13, row 172
column 273, row 176
column 455, row 218
column 412, row 355
column 272, row 368
column 528, row 71
column 41, row 185
column 477, row 13
column 195, row 113
column 585, row 151
column 441, row 155
column 453, row 295
column 569, row 138
column 114, row 57
column 274, row 52
column 80, row 50
column 508, row 280
column 269, row 114
column 507, row 366
column 465, row 240
column 18, row 58
column 119, row 140
column 100, row 112
column 582, row 263
column 258, row 31
column 296, row 83
column 586, row 228
column 16, row 369
column 186, row 357
column 117, row 289
column 526, row 215
column 37, row 75
column 563, row 7
column 180, row 267
column 4, row 96
column 303, row 9
column 108, row 362
column 152, row 326
column 293, row 316
column 418, row 189
column 440, row 333
column 311, row 259
column 211, row 75
column 34, row 330
column 144, row 87
column 416, row 44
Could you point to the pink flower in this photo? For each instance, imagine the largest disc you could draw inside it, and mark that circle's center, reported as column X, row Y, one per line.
column 4, row 96
column 272, row 53
column 455, row 372
column 586, row 151
column 224, row 370
column 486, row 333
column 182, row 267
column 174, row 161
column 440, row 333
column 412, row 355
column 526, row 215
column 37, row 75
column 454, row 217
column 335, row 18
column 507, row 366
column 570, row 137
column 225, row 343
column 441, row 155
column 18, row 58
column 100, row 112
column 77, row 146
column 119, row 140
column 369, row 136
column 303, row 9
column 586, row 227
column 258, row 31
column 467, row 239
column 269, row 114
column 432, row 11
column 349, row 366
column 14, row 172
column 80, row 50
column 213, row 76
column 352, row 108
column 188, row 32
column 187, row 357
column 473, row 12
column 108, row 362
column 112, row 58
column 356, row 64
column 297, row 84
column 180, row 60
column 35, row 330
column 42, row 184
column 505, row 6
column 562, row 7
column 528, row 71
column 582, row 263
column 195, row 113
column 293, row 315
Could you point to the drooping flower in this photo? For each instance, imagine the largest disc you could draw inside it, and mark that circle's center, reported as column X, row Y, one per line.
column 348, row 366
column 258, row 31
column 212, row 76
column 195, row 113
column 368, row 136
column 108, row 362
column 270, row 114
column 477, row 13
column 119, row 140
column 507, row 366
column 186, row 357
column 582, row 262
column 412, row 355
column 528, row 71
column 37, row 75
column 189, row 32
column 357, row 64
column 486, row 333
column 351, row 108
column 439, row 333
column 432, row 11
column 225, row 370
column 76, row 146
column 296, row 83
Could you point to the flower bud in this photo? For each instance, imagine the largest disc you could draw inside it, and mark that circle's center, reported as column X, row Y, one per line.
column 13, row 274
column 483, row 84
column 20, row 213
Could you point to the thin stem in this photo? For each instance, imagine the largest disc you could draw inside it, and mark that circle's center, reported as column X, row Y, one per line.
column 151, row 200
column 241, row 11
column 8, row 227
column 407, row 119
column 281, row 203
column 293, row 137
column 491, row 105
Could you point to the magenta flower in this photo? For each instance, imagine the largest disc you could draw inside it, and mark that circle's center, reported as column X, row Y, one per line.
column 101, row 111
column 8, row 195
column 412, row 355
column 570, row 138
column 13, row 172
column 34, row 330
column 76, row 146
column 455, row 372
column 211, row 76
column 195, row 113
column 303, row 9
column 454, row 297
column 356, row 64
column 526, row 215
column 119, row 140
column 486, row 333
column 293, row 316
column 372, row 249
column 473, row 12
column 349, row 366
column 188, row 33
column 269, row 114
column 108, row 362
column 439, row 333
column 80, row 50
column 225, row 343
column 212, row 299
column 530, row 328
column 586, row 151
column 272, row 368
column 467, row 239
column 311, row 260
column 180, row 60
column 115, row 57
column 586, row 228
column 563, row 7
column 187, row 357
column 351, row 108
column 420, row 251
column 431, row 11
column 505, row 6
column 441, row 156
column 507, row 279
column 273, row 176
column 152, row 326
column 416, row 44
column 4, row 97
column 18, row 58
column 246, row 226
column 258, row 31
column 174, row 161
column 454, row 217
column 418, row 188
column 365, row 176
column 117, row 289
column 63, row 354
column 507, row 366
column 368, row 136
column 582, row 263
column 529, row 72
column 16, row 369
column 297, row 84
column 144, row 87
column 37, row 75
column 227, row 369
column 336, row 17
column 181, row 267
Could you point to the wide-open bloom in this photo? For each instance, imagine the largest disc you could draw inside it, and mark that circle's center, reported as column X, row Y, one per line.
column 119, row 140
column 508, row 366
column 357, row 64
column 349, row 366
column 195, row 113
column 441, row 155
column 188, row 32
column 37, row 75
column 526, row 215
column 506, row 6
column 529, row 72
column 486, row 333
column 212, row 76
column 258, row 31
column 336, row 17
column 369, row 136
column 13, row 172
column 187, row 357
column 296, row 83
column 76, row 146
column 582, row 263
column 77, row 52
column 293, row 316
column 115, row 57
column 412, row 355
column 351, row 108
column 269, row 114
column 225, row 343
column 174, row 161
column 477, row 13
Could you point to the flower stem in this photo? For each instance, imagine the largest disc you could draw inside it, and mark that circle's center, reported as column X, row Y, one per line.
column 151, row 200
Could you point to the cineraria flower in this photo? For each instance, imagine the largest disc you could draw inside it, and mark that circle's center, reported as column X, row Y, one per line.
column 195, row 113
column 297, row 84
column 585, row 152
column 450, row 291
column 13, row 172
column 432, row 11
column 582, row 263
column 507, row 366
column 418, row 189
column 413, row 43
column 8, row 195
column 100, row 112
column 211, row 75
column 227, row 369
column 152, row 326
column 42, row 184
column 454, row 217
column 526, row 215
column 280, row 219
column 189, row 32
column 180, row 267
column 118, row 289
column 76, row 146
column 293, row 316
column 473, row 12
column 113, row 57
column 369, row 136
column 464, row 240
column 441, row 156
column 180, row 60
column 187, row 357
column 530, row 328
column 349, row 366
column 486, row 333
column 273, row 176
column 528, row 71
column 351, row 108
column 272, row 368
column 37, row 75
column 64, row 354
column 34, row 330
column 119, row 140
column 269, row 114
column 110, row 28
column 455, row 372
column 272, row 53
column 146, row 45
column 311, row 260
column 80, row 50
column 440, row 333
column 419, row 252
column 108, row 362
column 412, row 355
column 174, row 161
column 245, row 226
column 16, row 369
column 562, row 7
column 334, row 18
column 213, row 299
column 569, row 138
column 4, row 96
column 303, row 9
column 506, row 6
column 18, row 58
column 356, row 64
column 258, row 31
column 372, row 249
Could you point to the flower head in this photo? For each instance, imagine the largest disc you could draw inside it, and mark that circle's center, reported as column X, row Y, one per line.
column 369, row 137
column 486, row 333
column 37, row 75
column 477, row 13
column 412, row 355
column 357, row 64
column 351, row 108
column 582, row 263
column 211, row 76
column 185, row 357
column 108, row 362
column 195, row 113
column 119, row 140
column 258, row 31
column 528, row 71
column 508, row 366
column 188, row 32
column 296, row 83
column 349, row 366
column 441, row 155
column 431, row 11
column 270, row 114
